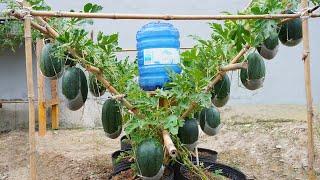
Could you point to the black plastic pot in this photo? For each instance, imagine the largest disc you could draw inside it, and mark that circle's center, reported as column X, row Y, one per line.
column 124, row 143
column 223, row 170
column 211, row 156
column 206, row 155
column 126, row 167
column 123, row 162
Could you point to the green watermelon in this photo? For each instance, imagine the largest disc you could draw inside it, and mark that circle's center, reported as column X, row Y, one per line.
column 220, row 95
column 50, row 66
column 189, row 133
column 210, row 121
column 253, row 77
column 95, row 87
column 270, row 46
column 290, row 33
column 111, row 118
column 149, row 158
column 74, row 87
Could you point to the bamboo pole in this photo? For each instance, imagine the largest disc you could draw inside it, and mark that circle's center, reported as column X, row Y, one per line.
column 32, row 143
column 167, row 141
column 306, row 59
column 161, row 16
column 236, row 66
column 41, row 103
column 54, row 104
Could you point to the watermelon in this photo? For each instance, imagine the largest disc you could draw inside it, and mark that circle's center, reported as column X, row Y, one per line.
column 220, row 95
column 95, row 87
column 253, row 77
column 111, row 118
column 74, row 87
column 50, row 66
column 210, row 121
column 189, row 133
column 270, row 46
column 149, row 159
column 290, row 33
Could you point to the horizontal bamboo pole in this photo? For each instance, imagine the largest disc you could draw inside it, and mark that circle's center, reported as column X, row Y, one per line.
column 160, row 16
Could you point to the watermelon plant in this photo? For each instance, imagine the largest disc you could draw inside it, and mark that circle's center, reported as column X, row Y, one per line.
column 199, row 65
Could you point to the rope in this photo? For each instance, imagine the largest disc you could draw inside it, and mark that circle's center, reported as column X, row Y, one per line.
column 304, row 14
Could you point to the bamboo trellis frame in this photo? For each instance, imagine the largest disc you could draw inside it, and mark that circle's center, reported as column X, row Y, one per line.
column 163, row 17
column 46, row 29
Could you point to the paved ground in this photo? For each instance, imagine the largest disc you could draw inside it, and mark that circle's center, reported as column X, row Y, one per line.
column 265, row 142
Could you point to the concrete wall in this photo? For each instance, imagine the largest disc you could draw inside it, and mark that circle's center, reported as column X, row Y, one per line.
column 284, row 82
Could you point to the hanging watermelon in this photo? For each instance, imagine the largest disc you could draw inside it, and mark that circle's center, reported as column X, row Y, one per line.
column 149, row 159
column 290, row 33
column 189, row 133
column 220, row 95
column 74, row 87
column 111, row 118
column 270, row 46
column 253, row 77
column 50, row 66
column 210, row 121
column 95, row 87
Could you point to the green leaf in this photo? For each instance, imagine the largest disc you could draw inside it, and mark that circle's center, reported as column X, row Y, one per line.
column 87, row 7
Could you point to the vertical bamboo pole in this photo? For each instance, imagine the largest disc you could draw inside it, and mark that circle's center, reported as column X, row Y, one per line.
column 167, row 141
column 28, row 51
column 306, row 59
column 41, row 103
column 54, row 104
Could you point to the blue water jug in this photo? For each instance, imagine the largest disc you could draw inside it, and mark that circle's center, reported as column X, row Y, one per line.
column 158, row 48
